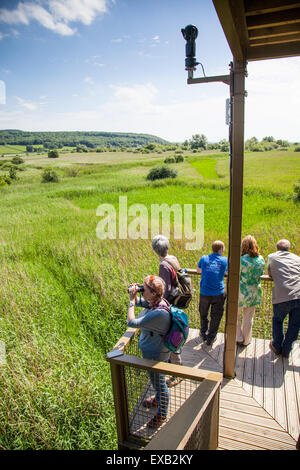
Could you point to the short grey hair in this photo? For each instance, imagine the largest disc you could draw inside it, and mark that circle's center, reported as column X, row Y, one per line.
column 160, row 245
column 283, row 245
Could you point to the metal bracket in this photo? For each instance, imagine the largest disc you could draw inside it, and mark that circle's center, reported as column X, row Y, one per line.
column 218, row 78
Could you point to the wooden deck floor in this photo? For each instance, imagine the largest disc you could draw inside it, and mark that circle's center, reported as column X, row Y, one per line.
column 260, row 407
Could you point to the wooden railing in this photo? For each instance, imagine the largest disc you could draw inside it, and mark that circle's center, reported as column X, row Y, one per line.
column 193, row 407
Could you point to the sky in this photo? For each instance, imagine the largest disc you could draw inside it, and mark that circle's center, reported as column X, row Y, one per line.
column 118, row 65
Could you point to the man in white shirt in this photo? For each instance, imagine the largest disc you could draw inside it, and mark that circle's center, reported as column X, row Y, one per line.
column 284, row 269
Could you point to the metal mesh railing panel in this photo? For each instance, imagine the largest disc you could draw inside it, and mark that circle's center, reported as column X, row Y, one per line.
column 139, row 388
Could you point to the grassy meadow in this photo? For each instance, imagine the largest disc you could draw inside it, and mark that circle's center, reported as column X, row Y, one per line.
column 63, row 291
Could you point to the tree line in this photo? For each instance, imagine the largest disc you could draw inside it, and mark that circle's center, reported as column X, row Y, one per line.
column 56, row 140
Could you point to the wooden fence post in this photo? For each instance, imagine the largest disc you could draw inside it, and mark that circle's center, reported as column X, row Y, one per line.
column 120, row 402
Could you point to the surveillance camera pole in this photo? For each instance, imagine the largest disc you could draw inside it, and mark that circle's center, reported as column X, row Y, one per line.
column 236, row 82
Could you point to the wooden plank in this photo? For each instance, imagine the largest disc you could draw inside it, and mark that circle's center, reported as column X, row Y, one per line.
column 261, row 442
column 239, row 365
column 234, row 390
column 230, row 26
column 274, row 31
column 240, row 399
column 249, row 409
column 265, row 426
column 291, row 399
column 277, row 438
column 273, row 51
column 279, row 394
column 258, row 377
column 255, row 7
column 241, row 415
column 274, row 40
column 274, row 19
column 231, row 444
column 249, row 368
column 295, row 354
column 269, row 357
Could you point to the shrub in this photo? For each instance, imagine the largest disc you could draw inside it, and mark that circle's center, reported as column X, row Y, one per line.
column 71, row 171
column 169, row 160
column 49, row 176
column 53, row 154
column 12, row 173
column 179, row 158
column 161, row 172
column 4, row 180
column 17, row 160
column 296, row 195
column 297, row 149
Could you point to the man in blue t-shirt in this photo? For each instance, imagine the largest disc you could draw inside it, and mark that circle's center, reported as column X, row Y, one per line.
column 212, row 269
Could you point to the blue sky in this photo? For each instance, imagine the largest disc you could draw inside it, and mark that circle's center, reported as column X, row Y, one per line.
column 119, row 66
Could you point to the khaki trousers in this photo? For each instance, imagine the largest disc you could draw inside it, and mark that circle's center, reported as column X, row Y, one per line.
column 244, row 328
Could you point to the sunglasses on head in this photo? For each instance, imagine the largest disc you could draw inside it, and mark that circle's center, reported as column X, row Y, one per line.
column 151, row 279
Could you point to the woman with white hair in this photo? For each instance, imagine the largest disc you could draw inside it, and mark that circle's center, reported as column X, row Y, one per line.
column 168, row 264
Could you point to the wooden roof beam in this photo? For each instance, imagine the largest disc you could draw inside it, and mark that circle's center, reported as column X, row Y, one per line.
column 257, row 7
column 274, row 19
column 275, row 40
column 274, row 31
column 231, row 14
column 273, row 51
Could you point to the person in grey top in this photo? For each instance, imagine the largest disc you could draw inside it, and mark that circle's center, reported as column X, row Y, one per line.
column 284, row 269
column 154, row 322
column 161, row 245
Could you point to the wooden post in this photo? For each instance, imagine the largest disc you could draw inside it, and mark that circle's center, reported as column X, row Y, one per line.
column 236, row 208
column 214, row 423
column 120, row 401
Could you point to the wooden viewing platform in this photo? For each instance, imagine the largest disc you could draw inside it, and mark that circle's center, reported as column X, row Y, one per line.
column 259, row 408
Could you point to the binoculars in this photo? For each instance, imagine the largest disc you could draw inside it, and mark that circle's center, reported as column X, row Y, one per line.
column 140, row 287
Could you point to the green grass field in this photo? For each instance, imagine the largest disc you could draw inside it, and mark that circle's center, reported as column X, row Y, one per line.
column 63, row 292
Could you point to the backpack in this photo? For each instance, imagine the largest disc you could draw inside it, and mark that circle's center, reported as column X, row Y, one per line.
column 181, row 293
column 178, row 332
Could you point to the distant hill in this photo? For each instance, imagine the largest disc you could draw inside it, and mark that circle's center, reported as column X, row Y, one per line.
column 72, row 139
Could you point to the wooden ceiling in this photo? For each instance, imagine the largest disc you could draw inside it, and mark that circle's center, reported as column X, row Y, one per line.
column 260, row 29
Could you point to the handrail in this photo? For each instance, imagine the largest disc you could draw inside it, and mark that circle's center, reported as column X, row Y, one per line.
column 264, row 277
column 165, row 368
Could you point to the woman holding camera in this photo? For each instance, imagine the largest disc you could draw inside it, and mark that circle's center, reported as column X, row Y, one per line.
column 154, row 321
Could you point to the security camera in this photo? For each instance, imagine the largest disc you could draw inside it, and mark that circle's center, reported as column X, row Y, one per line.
column 190, row 33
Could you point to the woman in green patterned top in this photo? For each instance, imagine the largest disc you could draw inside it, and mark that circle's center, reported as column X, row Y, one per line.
column 252, row 267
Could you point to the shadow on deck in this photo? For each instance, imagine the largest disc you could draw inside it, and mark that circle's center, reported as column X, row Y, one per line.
column 259, row 408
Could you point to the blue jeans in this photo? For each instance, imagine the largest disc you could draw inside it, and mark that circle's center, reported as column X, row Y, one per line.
column 281, row 343
column 162, row 393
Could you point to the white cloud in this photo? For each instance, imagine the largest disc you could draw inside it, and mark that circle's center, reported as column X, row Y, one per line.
column 94, row 60
column 30, row 105
column 273, row 102
column 89, row 80
column 55, row 14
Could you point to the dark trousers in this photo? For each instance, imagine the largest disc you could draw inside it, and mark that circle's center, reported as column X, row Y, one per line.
column 284, row 343
column 216, row 302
